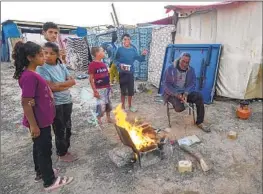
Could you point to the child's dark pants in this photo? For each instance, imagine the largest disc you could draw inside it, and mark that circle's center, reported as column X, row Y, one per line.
column 42, row 151
column 62, row 128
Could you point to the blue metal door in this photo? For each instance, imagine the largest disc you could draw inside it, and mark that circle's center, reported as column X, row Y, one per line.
column 204, row 60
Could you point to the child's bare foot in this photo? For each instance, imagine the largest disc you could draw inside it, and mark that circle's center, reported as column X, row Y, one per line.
column 99, row 121
column 110, row 120
column 123, row 107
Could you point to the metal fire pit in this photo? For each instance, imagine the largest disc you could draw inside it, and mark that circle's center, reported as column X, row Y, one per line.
column 145, row 158
column 150, row 157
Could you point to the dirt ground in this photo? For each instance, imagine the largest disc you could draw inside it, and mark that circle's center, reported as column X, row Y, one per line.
column 237, row 164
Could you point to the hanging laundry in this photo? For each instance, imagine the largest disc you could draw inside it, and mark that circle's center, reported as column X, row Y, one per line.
column 140, row 37
column 78, row 55
column 93, row 40
column 145, row 39
column 62, row 39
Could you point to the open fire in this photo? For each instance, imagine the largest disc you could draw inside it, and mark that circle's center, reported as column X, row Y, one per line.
column 142, row 135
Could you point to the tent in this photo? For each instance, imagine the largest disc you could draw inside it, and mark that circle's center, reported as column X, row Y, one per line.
column 9, row 30
column 238, row 27
column 165, row 21
column 14, row 30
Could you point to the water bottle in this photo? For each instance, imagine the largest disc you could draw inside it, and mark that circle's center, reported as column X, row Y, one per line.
column 168, row 149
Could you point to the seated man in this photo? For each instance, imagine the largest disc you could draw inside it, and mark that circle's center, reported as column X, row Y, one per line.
column 179, row 88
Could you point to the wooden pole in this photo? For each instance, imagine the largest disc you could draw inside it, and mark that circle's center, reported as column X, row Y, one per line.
column 204, row 165
column 116, row 18
column 112, row 17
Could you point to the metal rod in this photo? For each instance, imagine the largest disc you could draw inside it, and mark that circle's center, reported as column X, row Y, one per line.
column 112, row 17
column 116, row 18
column 188, row 105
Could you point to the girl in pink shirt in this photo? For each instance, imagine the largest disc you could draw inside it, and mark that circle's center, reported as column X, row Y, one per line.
column 39, row 115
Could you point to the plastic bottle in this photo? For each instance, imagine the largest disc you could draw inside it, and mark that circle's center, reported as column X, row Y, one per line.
column 168, row 149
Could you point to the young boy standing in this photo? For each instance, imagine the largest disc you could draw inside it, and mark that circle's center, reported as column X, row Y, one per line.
column 51, row 32
column 59, row 80
column 100, row 83
column 124, row 59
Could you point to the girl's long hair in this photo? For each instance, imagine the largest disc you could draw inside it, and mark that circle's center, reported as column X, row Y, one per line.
column 20, row 53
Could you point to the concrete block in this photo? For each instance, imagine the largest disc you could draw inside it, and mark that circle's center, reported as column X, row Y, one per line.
column 185, row 166
column 232, row 135
column 121, row 156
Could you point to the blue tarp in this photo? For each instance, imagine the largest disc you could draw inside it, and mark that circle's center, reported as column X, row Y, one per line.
column 204, row 60
column 4, row 53
column 81, row 32
column 9, row 30
column 141, row 38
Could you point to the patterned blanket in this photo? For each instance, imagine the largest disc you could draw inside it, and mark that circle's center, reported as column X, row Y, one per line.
column 78, row 54
column 161, row 37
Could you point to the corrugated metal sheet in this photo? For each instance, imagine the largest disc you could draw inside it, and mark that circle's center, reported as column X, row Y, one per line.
column 239, row 29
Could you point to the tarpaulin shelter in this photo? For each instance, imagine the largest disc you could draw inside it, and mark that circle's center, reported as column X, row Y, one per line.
column 141, row 38
column 238, row 27
column 165, row 21
column 14, row 30
column 9, row 30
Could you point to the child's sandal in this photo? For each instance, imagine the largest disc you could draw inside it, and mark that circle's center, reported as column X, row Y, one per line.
column 59, row 182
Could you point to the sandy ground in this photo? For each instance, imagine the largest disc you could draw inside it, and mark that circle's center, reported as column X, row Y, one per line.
column 237, row 164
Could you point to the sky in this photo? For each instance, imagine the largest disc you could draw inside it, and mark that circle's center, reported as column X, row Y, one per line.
column 86, row 13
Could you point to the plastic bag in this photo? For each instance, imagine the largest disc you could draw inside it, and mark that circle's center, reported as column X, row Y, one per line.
column 86, row 94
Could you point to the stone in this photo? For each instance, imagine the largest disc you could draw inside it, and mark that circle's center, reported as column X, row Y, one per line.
column 150, row 158
column 168, row 130
column 185, row 166
column 122, row 156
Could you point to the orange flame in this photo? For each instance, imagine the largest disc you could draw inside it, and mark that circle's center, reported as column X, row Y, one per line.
column 136, row 132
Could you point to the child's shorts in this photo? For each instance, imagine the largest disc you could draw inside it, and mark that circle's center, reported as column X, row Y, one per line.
column 103, row 103
column 127, row 84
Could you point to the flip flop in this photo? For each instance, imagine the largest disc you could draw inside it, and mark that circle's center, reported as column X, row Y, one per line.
column 39, row 177
column 59, row 182
column 82, row 76
column 56, row 170
column 132, row 109
column 68, row 158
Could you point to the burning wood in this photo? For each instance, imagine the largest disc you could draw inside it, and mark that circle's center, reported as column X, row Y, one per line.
column 142, row 134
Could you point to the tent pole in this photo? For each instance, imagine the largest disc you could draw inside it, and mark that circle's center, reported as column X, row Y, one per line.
column 116, row 18
column 114, row 23
column 175, row 19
